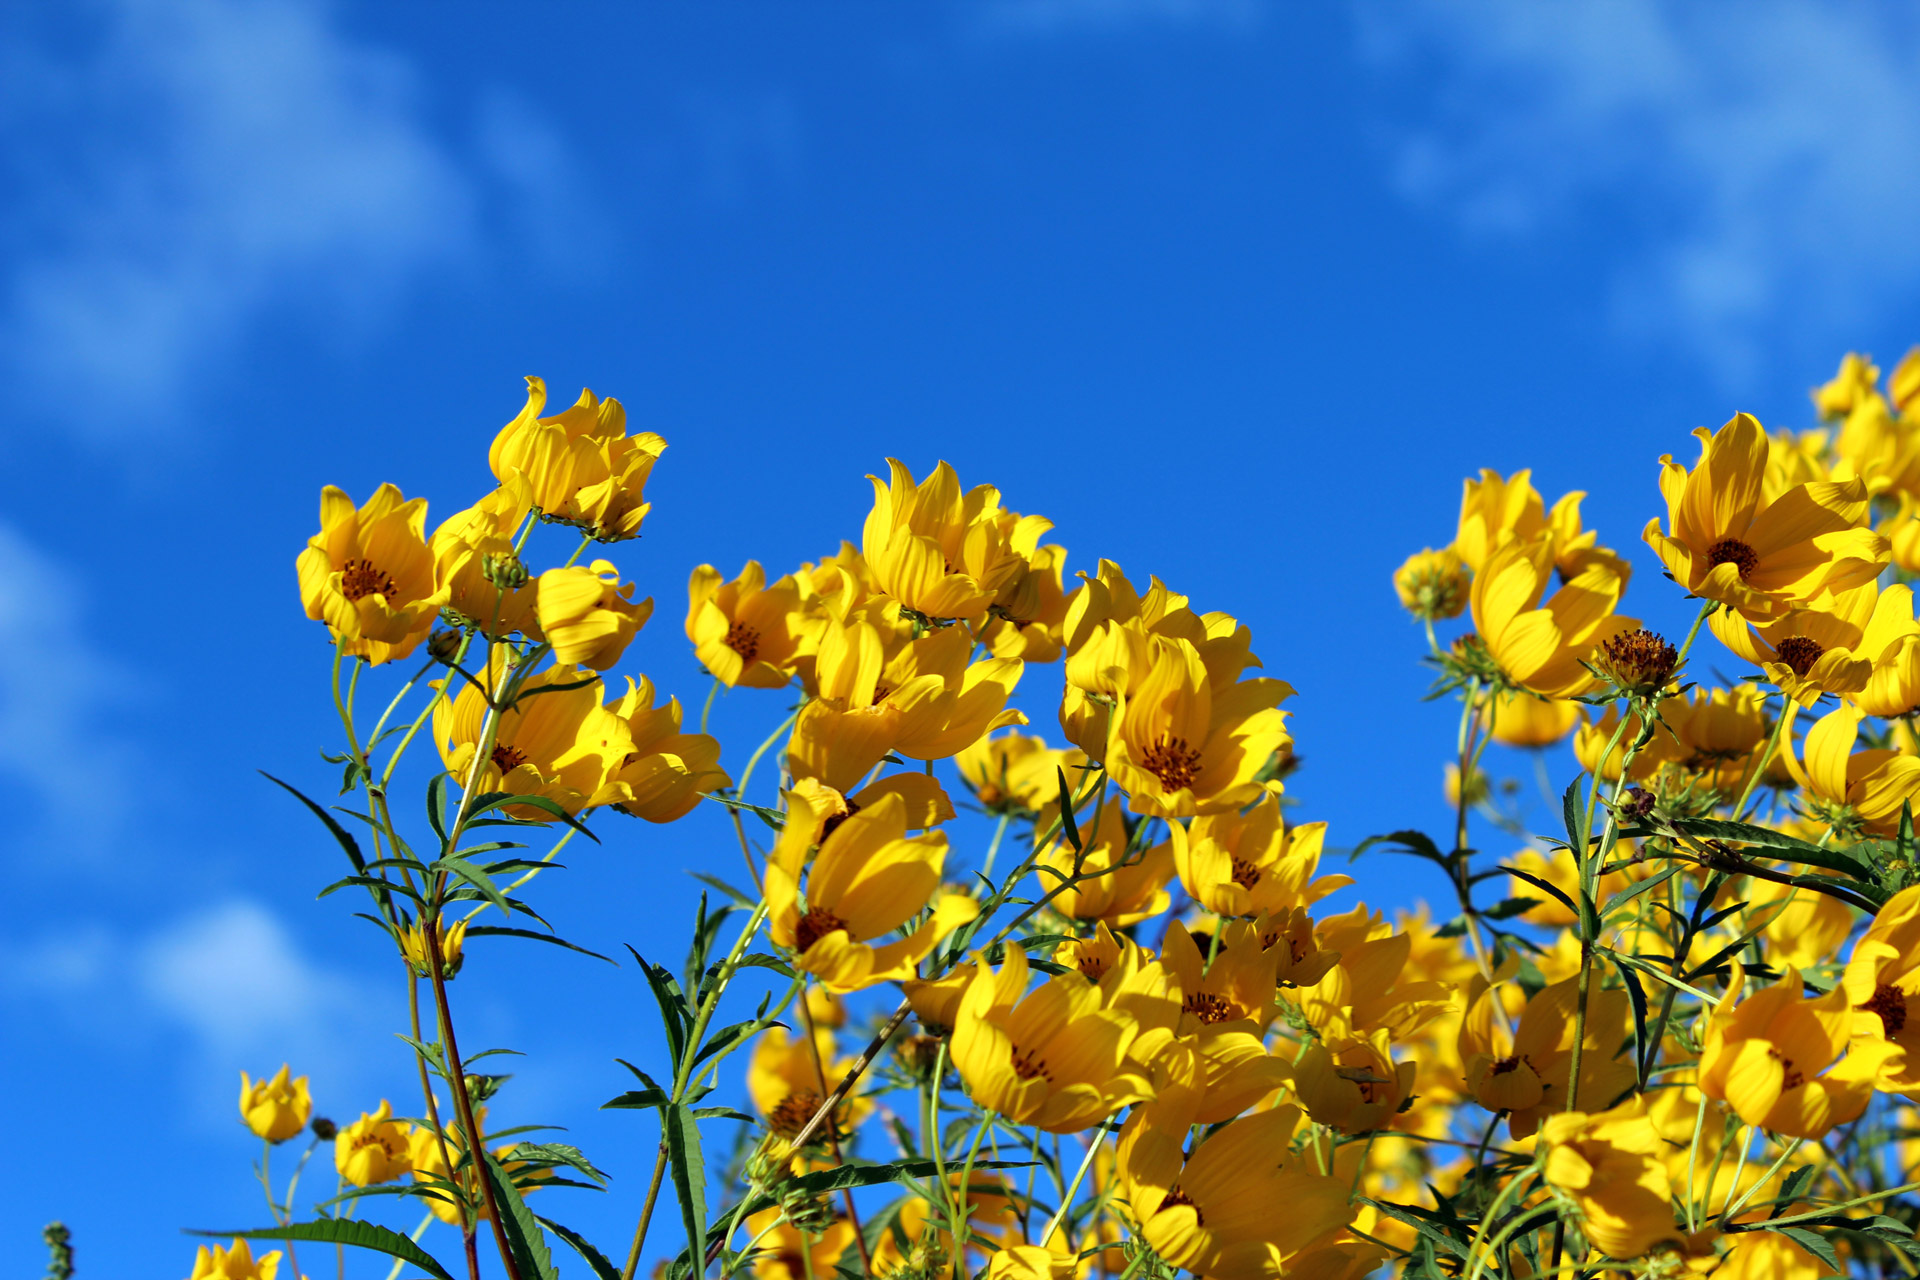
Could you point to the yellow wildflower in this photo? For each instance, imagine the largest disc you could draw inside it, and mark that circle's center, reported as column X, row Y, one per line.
column 588, row 616
column 1541, row 647
column 1244, row 863
column 1609, row 1165
column 581, row 466
column 237, row 1263
column 745, row 632
column 368, row 574
column 1765, row 1055
column 275, row 1109
column 373, row 1149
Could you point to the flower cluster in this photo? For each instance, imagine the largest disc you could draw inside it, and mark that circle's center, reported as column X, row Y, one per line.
column 1040, row 1001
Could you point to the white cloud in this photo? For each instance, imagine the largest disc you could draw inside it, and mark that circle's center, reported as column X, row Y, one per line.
column 1757, row 162
column 235, row 977
column 209, row 164
column 56, row 693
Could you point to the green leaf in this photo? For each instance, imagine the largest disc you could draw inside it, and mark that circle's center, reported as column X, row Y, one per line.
column 437, row 806
column 1778, row 843
column 674, row 1015
column 602, row 1268
column 340, row 833
column 738, row 898
column 1419, row 1221
column 1069, row 825
column 1815, row 1244
column 362, row 1235
column 1509, row 908
column 501, row 931
column 1637, row 995
column 636, row 1100
column 1790, row 1189
column 1574, row 814
column 524, row 1239
column 1416, row 843
column 479, row 879
column 553, row 1155
column 494, row 800
column 1634, row 890
column 761, row 960
column 688, row 1168
column 1559, row 895
column 722, row 1113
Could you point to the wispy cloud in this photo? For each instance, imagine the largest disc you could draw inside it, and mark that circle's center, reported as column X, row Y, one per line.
column 207, row 164
column 1753, row 169
column 57, row 741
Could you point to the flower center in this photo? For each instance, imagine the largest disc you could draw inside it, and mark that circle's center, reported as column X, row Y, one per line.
column 1092, row 967
column 791, row 1116
column 1208, row 1007
column 832, row 824
column 1891, row 1004
column 1172, row 761
column 1790, row 1076
column 743, row 640
column 1503, row 1065
column 1800, row 653
column 1179, row 1197
column 359, row 578
column 507, row 758
column 1027, row 1065
column 813, row 926
column 1639, row 661
column 1735, row 552
column 1245, row 874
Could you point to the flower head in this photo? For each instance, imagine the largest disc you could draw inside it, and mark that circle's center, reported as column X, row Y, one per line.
column 368, row 574
column 588, row 616
column 213, row 1262
column 1768, row 1057
column 580, row 465
column 275, row 1109
column 375, row 1148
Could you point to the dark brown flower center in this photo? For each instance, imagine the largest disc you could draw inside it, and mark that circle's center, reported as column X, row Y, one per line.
column 1503, row 1065
column 1790, row 1076
column 743, row 640
column 1891, row 1004
column 1245, row 874
column 359, row 578
column 791, row 1116
column 1027, row 1065
column 1735, row 552
column 1179, row 1197
column 832, row 824
column 1638, row 660
column 1800, row 653
column 1092, row 967
column 1173, row 762
column 1208, row 1007
column 813, row 926
column 507, row 758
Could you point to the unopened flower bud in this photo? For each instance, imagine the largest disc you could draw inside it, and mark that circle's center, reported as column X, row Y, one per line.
column 443, row 646
column 1637, row 662
column 324, row 1129
column 1636, row 804
column 507, row 572
column 1432, row 584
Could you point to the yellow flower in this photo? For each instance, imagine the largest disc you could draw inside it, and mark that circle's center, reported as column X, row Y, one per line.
column 1525, row 1074
column 868, row 879
column 580, row 465
column 1794, row 459
column 945, row 702
column 1122, row 890
column 654, row 771
column 1523, row 720
column 1609, row 1165
column 1717, row 730
column 1858, row 378
column 1352, row 1083
column 1801, row 927
column 238, row 1263
column 1591, row 738
column 1029, row 1262
column 1864, row 787
column 1882, row 452
column 1432, row 584
column 1492, row 511
column 368, row 574
column 1557, row 869
column 1181, row 747
column 1240, row 1205
column 470, row 550
column 1903, row 384
column 1764, row 1057
column 940, row 552
column 428, row 1157
column 1882, row 975
column 1029, row 627
column 453, row 939
column 540, row 746
column 275, row 1109
column 375, row 1148
column 1055, row 1059
column 788, row 1079
column 1831, row 646
column 1541, row 647
column 787, row 1253
column 1244, row 863
column 745, row 632
column 1017, row 772
column 587, row 616
column 1765, row 560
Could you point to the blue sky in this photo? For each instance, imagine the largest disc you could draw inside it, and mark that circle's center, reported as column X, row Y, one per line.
column 1235, row 293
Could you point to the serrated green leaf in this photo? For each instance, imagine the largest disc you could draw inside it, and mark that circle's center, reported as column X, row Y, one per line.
column 532, row 935
column 1817, row 1245
column 555, row 1154
column 480, row 880
column 603, row 1269
column 524, row 1238
column 361, row 1235
column 688, row 1167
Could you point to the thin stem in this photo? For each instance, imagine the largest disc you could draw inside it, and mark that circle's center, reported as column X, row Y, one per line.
column 1066, row 1200
column 833, row 1134
column 646, row 1211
